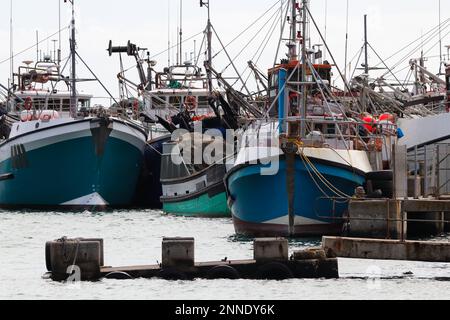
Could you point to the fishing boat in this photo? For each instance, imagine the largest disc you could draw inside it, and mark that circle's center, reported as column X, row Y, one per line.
column 61, row 152
column 295, row 174
column 193, row 189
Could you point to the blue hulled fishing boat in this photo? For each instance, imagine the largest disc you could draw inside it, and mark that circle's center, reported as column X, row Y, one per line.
column 295, row 174
column 61, row 152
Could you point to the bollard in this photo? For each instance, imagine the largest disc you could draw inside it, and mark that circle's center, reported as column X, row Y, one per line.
column 79, row 256
column 269, row 249
column 178, row 252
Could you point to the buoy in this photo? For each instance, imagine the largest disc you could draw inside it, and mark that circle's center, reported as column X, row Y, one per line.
column 387, row 117
column 369, row 123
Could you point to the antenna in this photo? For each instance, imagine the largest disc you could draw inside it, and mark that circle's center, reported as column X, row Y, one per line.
column 440, row 40
column 168, row 34
column 37, row 45
column 181, row 32
column 326, row 26
column 11, row 43
column 59, row 38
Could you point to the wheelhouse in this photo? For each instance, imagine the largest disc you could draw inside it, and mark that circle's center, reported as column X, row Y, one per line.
column 294, row 73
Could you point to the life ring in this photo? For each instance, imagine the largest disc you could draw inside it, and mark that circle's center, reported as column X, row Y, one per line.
column 191, row 103
column 46, row 117
column 28, row 103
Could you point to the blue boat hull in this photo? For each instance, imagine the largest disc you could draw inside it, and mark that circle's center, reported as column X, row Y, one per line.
column 260, row 205
column 71, row 173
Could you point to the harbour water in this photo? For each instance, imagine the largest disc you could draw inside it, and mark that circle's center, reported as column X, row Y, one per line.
column 134, row 238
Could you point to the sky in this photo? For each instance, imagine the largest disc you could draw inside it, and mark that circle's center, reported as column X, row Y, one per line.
column 392, row 24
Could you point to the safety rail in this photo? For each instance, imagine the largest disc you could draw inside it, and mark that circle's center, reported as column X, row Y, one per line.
column 346, row 218
column 431, row 165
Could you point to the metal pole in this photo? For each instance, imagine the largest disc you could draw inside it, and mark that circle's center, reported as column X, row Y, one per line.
column 346, row 46
column 181, row 32
column 11, row 44
column 209, row 51
column 59, row 25
column 168, row 34
column 73, row 100
column 416, row 194
column 438, row 171
column 440, row 40
column 366, row 56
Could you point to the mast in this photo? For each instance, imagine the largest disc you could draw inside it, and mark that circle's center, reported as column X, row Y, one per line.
column 73, row 99
column 304, row 70
column 346, row 45
column 366, row 65
column 292, row 45
column 366, row 52
column 208, row 63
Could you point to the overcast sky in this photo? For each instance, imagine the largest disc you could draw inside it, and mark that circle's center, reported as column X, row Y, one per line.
column 392, row 25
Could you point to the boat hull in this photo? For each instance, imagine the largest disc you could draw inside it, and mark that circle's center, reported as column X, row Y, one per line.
column 260, row 204
column 80, row 164
column 202, row 205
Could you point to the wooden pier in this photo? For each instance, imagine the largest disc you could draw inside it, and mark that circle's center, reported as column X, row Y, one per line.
column 82, row 259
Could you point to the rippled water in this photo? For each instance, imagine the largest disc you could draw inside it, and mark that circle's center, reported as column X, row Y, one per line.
column 134, row 238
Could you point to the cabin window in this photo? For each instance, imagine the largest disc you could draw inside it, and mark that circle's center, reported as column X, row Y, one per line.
column 203, row 101
column 274, row 81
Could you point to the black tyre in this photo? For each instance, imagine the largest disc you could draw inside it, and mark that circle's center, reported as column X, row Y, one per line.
column 48, row 259
column 274, row 271
column 385, row 175
column 172, row 275
column 118, row 276
column 386, row 188
column 223, row 272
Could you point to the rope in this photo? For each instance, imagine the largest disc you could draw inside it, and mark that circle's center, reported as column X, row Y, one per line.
column 246, row 29
column 29, row 48
column 327, row 184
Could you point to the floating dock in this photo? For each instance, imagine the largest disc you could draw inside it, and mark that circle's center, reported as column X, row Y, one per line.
column 380, row 249
column 82, row 260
